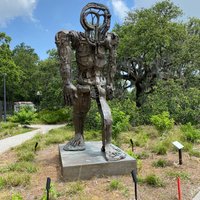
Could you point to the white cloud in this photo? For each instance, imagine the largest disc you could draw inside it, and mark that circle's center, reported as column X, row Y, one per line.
column 120, row 8
column 189, row 7
column 10, row 9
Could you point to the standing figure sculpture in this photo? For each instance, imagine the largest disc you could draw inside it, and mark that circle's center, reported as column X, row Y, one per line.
column 96, row 62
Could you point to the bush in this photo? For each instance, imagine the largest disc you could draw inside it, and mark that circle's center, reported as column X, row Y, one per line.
column 190, row 133
column 16, row 197
column 162, row 122
column 154, row 181
column 115, row 185
column 56, row 116
column 182, row 103
column 120, row 122
column 160, row 149
column 24, row 116
column 160, row 163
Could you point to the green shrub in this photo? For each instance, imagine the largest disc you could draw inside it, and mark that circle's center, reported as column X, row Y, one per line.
column 141, row 139
column 190, row 133
column 182, row 103
column 115, row 185
column 160, row 163
column 154, row 181
column 162, row 122
column 160, row 149
column 120, row 122
column 195, row 153
column 182, row 175
column 24, row 116
column 16, row 197
column 56, row 116
column 93, row 119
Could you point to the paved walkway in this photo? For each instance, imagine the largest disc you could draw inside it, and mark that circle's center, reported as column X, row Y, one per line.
column 16, row 140
column 197, row 197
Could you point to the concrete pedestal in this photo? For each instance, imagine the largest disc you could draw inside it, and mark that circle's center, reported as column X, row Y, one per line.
column 80, row 165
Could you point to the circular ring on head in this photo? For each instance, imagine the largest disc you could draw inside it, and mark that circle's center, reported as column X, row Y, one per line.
column 97, row 27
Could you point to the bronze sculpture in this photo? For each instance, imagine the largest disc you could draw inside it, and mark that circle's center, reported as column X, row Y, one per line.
column 93, row 48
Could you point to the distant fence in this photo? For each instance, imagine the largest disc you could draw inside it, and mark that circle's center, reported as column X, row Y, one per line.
column 9, row 109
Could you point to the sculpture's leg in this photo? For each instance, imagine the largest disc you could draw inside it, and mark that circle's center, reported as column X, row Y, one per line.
column 111, row 152
column 80, row 108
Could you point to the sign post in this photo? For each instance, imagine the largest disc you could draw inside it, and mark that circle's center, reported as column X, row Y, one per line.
column 134, row 176
column 179, row 146
column 48, row 186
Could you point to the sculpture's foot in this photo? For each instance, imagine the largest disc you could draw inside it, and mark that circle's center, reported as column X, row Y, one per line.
column 75, row 144
column 113, row 153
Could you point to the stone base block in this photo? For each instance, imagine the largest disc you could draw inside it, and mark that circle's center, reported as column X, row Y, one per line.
column 81, row 165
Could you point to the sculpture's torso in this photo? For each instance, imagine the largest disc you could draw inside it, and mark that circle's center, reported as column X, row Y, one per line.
column 91, row 62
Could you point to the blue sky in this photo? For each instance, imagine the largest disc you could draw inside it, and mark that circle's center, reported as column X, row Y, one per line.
column 35, row 22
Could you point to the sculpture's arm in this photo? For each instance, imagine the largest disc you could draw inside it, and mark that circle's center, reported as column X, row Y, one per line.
column 111, row 70
column 63, row 41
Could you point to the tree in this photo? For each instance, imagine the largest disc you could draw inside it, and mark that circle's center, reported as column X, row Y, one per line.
column 25, row 57
column 8, row 67
column 50, row 83
column 150, row 41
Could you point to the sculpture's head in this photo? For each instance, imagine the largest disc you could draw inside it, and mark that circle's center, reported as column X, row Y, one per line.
column 95, row 19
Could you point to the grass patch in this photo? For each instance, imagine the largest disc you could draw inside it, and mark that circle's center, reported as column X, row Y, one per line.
column 115, row 185
column 160, row 149
column 57, row 136
column 9, row 129
column 75, row 188
column 93, row 135
column 19, row 167
column 195, row 153
column 53, row 193
column 14, row 179
column 182, row 175
column 153, row 181
column 161, row 163
column 16, row 196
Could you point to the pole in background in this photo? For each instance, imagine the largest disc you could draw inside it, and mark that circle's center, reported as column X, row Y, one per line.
column 4, row 92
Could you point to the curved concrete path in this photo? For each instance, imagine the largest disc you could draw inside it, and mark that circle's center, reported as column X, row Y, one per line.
column 7, row 143
column 197, row 196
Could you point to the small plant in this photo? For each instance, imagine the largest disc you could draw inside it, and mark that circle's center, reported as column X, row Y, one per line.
column 141, row 139
column 160, row 149
column 75, row 188
column 195, row 153
column 154, row 181
column 16, row 179
column 142, row 155
column 115, row 185
column 160, row 163
column 53, row 194
column 24, row 116
column 182, row 175
column 162, row 122
column 16, row 196
column 190, row 133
